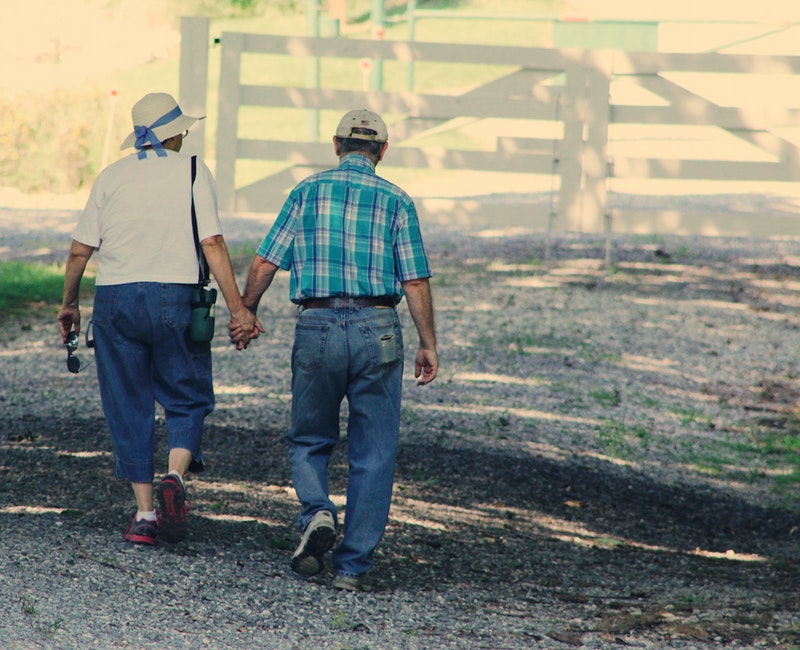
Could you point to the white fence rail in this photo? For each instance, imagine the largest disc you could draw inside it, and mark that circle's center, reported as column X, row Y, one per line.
column 574, row 116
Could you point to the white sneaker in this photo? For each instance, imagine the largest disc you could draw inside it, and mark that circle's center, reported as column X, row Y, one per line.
column 317, row 539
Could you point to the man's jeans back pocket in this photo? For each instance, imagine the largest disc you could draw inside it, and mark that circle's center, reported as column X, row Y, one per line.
column 310, row 339
column 384, row 339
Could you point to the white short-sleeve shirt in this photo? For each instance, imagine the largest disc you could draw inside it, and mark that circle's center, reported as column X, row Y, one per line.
column 139, row 218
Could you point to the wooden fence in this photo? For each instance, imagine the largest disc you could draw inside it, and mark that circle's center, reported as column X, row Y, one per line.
column 583, row 124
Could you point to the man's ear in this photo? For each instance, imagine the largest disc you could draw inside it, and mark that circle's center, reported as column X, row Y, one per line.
column 383, row 151
column 336, row 145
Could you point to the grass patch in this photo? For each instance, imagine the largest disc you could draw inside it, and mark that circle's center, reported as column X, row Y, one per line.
column 47, row 630
column 607, row 397
column 690, row 416
column 619, row 439
column 755, row 454
column 24, row 285
column 594, row 355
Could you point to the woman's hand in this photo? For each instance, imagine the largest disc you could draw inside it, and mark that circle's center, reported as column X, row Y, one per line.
column 244, row 327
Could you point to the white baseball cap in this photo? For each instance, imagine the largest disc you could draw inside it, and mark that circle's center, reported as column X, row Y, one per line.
column 362, row 119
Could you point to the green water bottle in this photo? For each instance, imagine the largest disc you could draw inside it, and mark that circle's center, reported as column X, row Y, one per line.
column 201, row 329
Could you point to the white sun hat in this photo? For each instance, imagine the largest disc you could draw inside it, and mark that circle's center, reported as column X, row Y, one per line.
column 156, row 117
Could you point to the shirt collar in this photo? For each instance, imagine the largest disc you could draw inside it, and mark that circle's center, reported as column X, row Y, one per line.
column 357, row 162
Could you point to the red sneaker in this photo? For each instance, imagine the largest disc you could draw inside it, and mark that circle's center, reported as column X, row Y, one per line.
column 140, row 532
column 171, row 510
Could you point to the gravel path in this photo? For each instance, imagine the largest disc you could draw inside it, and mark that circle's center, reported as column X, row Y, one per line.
column 605, row 461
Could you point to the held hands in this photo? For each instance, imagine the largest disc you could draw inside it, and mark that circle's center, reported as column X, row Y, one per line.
column 244, row 327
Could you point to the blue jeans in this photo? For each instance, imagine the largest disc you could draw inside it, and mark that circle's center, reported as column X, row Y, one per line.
column 143, row 355
column 358, row 354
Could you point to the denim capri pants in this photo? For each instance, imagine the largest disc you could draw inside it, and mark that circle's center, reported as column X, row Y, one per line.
column 143, row 356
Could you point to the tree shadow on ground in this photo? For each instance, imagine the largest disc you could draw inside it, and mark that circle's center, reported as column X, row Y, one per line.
column 521, row 526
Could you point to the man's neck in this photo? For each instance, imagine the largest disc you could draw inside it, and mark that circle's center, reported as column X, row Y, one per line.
column 343, row 156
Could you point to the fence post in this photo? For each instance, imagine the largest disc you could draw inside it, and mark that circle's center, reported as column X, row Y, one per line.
column 378, row 17
column 411, row 8
column 595, row 159
column 228, row 126
column 193, row 79
column 312, row 75
column 571, row 158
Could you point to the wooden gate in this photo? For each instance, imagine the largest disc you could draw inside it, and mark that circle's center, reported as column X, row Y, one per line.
column 561, row 123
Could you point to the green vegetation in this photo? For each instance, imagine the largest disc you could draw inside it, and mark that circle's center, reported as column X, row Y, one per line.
column 59, row 140
column 751, row 453
column 619, row 439
column 611, row 397
column 688, row 416
column 25, row 285
column 594, row 354
column 46, row 140
column 47, row 630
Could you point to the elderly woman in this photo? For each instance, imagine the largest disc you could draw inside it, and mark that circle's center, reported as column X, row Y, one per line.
column 139, row 220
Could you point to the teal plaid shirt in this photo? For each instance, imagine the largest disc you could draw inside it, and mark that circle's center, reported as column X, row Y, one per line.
column 347, row 232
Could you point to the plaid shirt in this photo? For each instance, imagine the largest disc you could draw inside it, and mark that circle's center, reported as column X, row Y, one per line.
column 347, row 232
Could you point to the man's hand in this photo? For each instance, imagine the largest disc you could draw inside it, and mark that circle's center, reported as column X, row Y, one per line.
column 259, row 277
column 244, row 327
column 420, row 304
column 426, row 366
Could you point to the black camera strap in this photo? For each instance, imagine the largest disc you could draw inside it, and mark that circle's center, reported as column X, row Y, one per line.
column 202, row 273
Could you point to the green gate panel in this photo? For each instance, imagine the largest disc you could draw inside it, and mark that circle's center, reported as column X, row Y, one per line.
column 606, row 34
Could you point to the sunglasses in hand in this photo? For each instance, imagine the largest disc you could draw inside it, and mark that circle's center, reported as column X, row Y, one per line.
column 74, row 364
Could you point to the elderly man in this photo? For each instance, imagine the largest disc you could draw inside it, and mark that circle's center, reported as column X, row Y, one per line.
column 351, row 241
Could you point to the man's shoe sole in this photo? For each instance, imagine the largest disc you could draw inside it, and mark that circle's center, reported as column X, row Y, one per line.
column 309, row 561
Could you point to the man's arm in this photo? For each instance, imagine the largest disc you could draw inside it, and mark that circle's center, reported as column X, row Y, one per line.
column 260, row 276
column 219, row 261
column 69, row 317
column 420, row 304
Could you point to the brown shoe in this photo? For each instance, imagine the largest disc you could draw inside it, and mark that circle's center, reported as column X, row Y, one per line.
column 353, row 583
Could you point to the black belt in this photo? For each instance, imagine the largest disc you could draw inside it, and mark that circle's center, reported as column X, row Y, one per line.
column 342, row 302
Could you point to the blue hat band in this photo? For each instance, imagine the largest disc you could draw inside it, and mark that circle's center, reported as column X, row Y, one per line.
column 144, row 134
